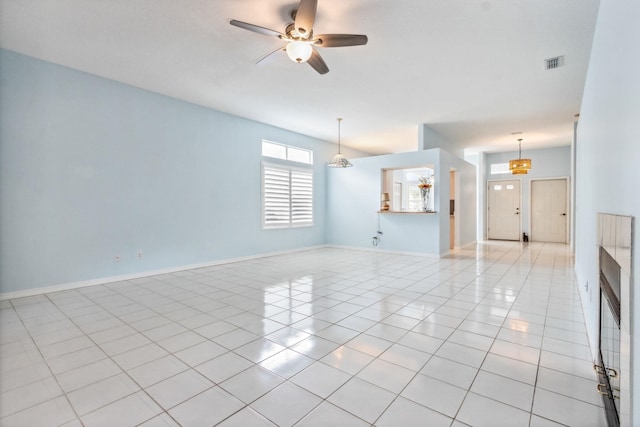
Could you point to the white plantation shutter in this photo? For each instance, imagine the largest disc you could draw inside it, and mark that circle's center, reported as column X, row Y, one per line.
column 276, row 197
column 301, row 197
column 287, row 196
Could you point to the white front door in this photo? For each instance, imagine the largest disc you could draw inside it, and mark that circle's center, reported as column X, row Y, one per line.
column 504, row 210
column 549, row 210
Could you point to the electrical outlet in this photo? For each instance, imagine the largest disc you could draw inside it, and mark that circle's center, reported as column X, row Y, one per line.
column 116, row 258
column 139, row 254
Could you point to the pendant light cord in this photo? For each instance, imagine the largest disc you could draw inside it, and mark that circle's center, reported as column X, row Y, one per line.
column 520, row 149
column 339, row 120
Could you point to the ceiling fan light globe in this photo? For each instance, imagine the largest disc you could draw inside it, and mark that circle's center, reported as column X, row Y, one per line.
column 299, row 51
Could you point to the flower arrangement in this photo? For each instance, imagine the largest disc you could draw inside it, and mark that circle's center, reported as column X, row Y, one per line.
column 424, row 183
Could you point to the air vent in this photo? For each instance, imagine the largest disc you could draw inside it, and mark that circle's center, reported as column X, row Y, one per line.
column 552, row 63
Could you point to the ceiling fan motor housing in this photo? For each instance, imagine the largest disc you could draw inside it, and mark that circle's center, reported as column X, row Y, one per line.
column 293, row 34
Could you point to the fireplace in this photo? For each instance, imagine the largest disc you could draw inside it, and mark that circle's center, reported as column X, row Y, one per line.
column 613, row 363
column 608, row 363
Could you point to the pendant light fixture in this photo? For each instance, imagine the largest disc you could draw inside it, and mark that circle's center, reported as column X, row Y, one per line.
column 339, row 161
column 520, row 166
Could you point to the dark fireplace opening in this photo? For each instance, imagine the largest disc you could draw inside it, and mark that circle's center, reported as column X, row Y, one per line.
column 608, row 364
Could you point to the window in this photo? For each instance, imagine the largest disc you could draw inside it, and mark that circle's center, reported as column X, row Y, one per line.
column 286, row 152
column 414, row 199
column 498, row 168
column 287, row 196
column 407, row 196
column 287, row 191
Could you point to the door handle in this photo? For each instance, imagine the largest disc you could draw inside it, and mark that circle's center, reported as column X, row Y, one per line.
column 564, row 214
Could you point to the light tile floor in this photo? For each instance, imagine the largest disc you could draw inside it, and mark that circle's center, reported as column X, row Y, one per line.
column 490, row 336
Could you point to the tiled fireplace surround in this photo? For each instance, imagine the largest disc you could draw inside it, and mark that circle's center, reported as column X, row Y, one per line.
column 615, row 234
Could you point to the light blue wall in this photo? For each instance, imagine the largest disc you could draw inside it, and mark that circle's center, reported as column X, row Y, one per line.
column 428, row 138
column 91, row 168
column 354, row 199
column 607, row 157
column 545, row 163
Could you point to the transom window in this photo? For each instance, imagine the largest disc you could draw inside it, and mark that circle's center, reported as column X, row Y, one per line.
column 498, row 168
column 286, row 152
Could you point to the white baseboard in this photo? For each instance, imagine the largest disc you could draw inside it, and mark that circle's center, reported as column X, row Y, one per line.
column 466, row 245
column 142, row 274
column 111, row 279
column 386, row 251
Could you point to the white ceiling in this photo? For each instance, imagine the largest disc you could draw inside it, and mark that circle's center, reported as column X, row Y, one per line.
column 473, row 70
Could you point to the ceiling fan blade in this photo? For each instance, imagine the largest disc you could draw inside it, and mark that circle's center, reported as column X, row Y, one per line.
column 256, row 28
column 305, row 17
column 267, row 57
column 340, row 40
column 318, row 63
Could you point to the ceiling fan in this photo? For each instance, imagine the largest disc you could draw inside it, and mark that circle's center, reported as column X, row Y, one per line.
column 301, row 42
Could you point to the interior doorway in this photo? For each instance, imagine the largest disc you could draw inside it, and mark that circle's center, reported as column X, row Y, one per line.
column 549, row 210
column 452, row 210
column 504, row 210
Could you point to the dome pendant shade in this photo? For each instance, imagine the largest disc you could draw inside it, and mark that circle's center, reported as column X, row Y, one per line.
column 299, row 51
column 520, row 166
column 339, row 161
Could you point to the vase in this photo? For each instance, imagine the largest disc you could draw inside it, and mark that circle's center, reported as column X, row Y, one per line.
column 425, row 199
